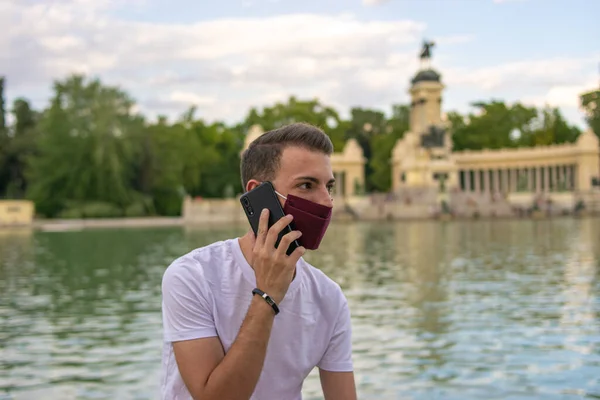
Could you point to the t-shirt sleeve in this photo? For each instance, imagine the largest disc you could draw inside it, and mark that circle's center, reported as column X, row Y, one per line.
column 187, row 312
column 338, row 356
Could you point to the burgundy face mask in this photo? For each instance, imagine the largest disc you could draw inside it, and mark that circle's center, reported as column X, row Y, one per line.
column 310, row 218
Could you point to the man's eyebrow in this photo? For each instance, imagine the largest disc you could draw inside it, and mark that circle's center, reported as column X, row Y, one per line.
column 314, row 180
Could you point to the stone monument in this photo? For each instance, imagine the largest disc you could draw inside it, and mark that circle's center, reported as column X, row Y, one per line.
column 423, row 157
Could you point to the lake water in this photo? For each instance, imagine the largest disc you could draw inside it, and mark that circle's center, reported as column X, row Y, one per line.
column 461, row 310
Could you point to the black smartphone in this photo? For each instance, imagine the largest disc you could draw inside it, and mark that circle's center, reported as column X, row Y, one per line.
column 264, row 196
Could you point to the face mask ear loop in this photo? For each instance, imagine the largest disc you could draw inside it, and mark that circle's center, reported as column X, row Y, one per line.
column 280, row 195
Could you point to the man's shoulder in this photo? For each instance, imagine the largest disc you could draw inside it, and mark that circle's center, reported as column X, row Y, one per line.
column 199, row 262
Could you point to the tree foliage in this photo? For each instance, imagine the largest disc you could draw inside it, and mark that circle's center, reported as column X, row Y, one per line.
column 310, row 111
column 590, row 102
column 89, row 154
column 496, row 125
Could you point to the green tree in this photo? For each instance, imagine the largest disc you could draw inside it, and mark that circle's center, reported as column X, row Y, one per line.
column 85, row 150
column 548, row 128
column 309, row 111
column 365, row 124
column 188, row 157
column 159, row 163
column 4, row 139
column 382, row 146
column 491, row 126
column 590, row 102
column 2, row 107
column 216, row 157
column 220, row 170
column 495, row 124
column 20, row 146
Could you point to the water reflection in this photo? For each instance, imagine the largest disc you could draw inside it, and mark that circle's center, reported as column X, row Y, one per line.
column 484, row 309
column 458, row 310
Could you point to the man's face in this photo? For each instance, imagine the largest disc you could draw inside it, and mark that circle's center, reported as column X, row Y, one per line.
column 305, row 173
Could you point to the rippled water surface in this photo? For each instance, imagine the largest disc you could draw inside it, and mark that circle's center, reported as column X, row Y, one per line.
column 462, row 310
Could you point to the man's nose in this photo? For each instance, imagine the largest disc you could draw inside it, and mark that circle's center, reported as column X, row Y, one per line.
column 325, row 198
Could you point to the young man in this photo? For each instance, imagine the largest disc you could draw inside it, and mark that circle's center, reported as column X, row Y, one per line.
column 243, row 320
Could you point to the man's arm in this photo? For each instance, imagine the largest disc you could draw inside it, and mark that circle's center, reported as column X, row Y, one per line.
column 338, row 385
column 210, row 374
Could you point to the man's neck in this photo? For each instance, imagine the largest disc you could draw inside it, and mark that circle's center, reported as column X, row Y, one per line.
column 247, row 244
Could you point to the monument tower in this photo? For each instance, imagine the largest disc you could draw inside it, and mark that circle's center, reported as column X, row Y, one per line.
column 426, row 94
column 423, row 157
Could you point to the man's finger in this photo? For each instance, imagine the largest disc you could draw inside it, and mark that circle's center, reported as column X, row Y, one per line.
column 287, row 240
column 296, row 254
column 276, row 230
column 263, row 227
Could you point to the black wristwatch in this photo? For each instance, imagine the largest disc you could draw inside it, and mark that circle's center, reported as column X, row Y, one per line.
column 267, row 298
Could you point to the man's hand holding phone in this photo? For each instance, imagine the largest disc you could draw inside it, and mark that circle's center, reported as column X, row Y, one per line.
column 273, row 268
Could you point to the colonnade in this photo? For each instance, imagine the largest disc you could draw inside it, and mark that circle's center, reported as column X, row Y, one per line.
column 340, row 184
column 551, row 178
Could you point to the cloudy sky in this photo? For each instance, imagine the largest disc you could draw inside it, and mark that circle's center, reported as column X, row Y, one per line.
column 227, row 55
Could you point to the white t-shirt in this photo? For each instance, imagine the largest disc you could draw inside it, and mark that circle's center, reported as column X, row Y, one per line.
column 208, row 291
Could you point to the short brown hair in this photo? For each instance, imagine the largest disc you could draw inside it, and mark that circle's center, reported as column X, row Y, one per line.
column 262, row 158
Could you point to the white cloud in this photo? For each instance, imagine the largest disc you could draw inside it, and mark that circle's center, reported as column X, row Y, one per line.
column 220, row 60
column 188, row 98
column 374, row 2
column 508, row 1
column 565, row 96
column 225, row 66
column 520, row 74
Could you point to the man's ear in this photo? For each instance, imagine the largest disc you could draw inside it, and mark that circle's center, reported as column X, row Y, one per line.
column 252, row 183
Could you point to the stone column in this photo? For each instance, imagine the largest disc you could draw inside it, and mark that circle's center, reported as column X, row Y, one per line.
column 505, row 180
column 514, row 179
column 335, row 189
column 561, row 176
column 530, row 187
column 518, row 173
column 423, row 113
column 477, row 177
column 486, row 181
column 467, row 180
column 496, row 180
column 558, row 177
column 546, row 179
column 538, row 179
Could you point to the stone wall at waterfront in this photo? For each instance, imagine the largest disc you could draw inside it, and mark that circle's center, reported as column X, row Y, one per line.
column 417, row 204
column 16, row 212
